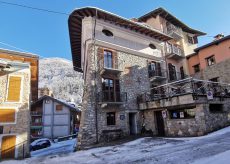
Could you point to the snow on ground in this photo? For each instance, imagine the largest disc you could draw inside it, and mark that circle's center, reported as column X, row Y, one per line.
column 210, row 149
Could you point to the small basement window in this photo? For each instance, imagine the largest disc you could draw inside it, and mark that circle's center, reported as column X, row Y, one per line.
column 107, row 33
column 182, row 113
column 152, row 46
column 216, row 108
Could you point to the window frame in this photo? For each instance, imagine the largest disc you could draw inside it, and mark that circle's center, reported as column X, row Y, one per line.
column 58, row 105
column 113, row 122
column 207, row 58
column 194, row 68
column 21, row 88
column 112, row 59
column 184, row 110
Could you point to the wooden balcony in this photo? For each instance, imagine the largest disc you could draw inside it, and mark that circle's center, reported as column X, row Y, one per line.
column 174, row 52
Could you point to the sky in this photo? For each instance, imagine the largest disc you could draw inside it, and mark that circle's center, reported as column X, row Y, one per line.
column 47, row 35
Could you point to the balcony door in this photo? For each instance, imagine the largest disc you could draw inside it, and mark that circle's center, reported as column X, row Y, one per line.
column 111, row 90
column 108, row 59
column 154, row 69
column 172, row 72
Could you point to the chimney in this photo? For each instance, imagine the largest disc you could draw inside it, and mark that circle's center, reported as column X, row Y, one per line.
column 218, row 36
column 134, row 19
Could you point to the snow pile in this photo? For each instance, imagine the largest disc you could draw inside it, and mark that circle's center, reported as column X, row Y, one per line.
column 58, row 75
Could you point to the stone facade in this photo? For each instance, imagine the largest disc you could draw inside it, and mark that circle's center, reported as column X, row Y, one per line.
column 16, row 122
column 205, row 121
column 133, row 80
column 21, row 127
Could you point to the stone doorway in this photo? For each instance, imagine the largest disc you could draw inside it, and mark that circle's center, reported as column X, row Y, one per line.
column 132, row 123
column 160, row 123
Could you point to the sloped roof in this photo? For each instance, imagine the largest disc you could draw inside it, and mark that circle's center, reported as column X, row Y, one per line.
column 212, row 43
column 171, row 18
column 75, row 29
column 74, row 109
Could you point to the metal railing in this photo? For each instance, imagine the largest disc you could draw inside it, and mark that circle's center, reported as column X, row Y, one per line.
column 113, row 65
column 186, row 86
column 172, row 49
column 36, row 113
column 157, row 73
column 111, row 96
column 173, row 29
column 174, row 76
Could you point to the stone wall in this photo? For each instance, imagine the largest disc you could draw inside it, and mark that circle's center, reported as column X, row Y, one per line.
column 21, row 127
column 133, row 81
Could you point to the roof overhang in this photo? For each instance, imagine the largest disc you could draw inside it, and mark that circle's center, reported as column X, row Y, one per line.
column 169, row 17
column 75, row 29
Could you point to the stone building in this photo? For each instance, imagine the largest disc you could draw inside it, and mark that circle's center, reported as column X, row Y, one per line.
column 18, row 88
column 125, row 64
column 211, row 61
column 53, row 118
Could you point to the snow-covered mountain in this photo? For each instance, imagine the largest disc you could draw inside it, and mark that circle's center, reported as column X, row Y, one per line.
column 58, row 75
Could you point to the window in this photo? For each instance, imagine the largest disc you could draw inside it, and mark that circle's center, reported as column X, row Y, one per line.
column 1, row 129
column 152, row 46
column 107, row 33
column 172, row 72
column 108, row 59
column 182, row 113
column 111, row 90
column 210, row 60
column 14, row 89
column 111, row 118
column 7, row 115
column 196, row 68
column 216, row 79
column 192, row 40
column 59, row 107
column 216, row 108
column 182, row 72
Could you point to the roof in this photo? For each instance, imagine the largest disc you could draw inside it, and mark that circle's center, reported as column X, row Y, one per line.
column 75, row 29
column 212, row 43
column 18, row 53
column 75, row 109
column 171, row 18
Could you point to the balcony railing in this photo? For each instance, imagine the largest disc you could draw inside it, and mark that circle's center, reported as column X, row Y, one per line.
column 36, row 113
column 175, row 76
column 112, row 97
column 174, row 31
column 36, row 123
column 186, row 86
column 157, row 75
column 173, row 51
column 110, row 68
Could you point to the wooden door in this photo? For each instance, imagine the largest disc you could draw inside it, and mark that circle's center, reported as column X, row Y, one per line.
column 160, row 123
column 8, row 147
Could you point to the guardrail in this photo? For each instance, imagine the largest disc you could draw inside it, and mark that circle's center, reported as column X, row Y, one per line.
column 186, row 86
column 112, row 96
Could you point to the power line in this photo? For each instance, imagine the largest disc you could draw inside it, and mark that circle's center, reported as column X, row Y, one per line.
column 34, row 8
column 38, row 9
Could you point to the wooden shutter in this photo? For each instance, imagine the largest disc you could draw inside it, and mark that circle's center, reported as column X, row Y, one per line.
column 59, row 107
column 14, row 89
column 7, row 115
column 8, row 147
column 115, row 59
column 195, row 40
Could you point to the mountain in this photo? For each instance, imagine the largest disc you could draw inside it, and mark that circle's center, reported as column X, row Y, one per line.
column 58, row 75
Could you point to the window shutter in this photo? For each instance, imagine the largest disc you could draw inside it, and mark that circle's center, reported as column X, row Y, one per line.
column 7, row 115
column 14, row 89
column 115, row 59
column 195, row 40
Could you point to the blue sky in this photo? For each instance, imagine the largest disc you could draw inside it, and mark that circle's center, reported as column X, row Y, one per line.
column 47, row 35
